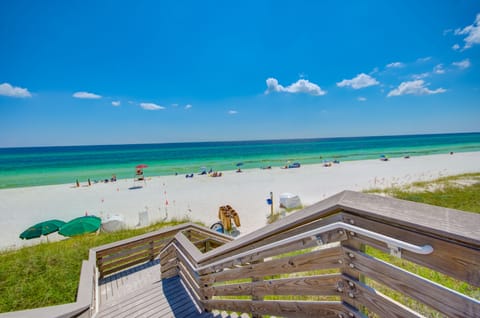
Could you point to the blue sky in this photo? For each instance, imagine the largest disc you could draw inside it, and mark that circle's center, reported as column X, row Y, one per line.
column 113, row 72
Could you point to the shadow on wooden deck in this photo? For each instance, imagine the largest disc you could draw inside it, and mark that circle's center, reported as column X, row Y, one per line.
column 139, row 292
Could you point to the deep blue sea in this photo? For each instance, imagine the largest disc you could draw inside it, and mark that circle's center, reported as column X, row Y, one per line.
column 21, row 167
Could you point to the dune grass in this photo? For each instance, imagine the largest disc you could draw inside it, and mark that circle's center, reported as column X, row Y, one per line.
column 460, row 192
column 48, row 274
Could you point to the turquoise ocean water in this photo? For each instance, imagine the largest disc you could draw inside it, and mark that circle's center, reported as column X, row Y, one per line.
column 20, row 167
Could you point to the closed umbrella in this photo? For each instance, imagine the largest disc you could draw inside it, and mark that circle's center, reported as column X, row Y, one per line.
column 42, row 228
column 81, row 225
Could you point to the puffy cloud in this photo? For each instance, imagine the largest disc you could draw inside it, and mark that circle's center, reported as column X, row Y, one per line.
column 300, row 86
column 188, row 106
column 438, row 69
column 395, row 65
column 86, row 95
column 455, row 47
column 232, row 112
column 361, row 99
column 360, row 81
column 416, row 87
column 7, row 89
column 116, row 103
column 472, row 33
column 151, row 106
column 462, row 64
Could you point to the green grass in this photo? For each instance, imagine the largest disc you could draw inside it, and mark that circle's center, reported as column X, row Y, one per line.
column 48, row 274
column 446, row 192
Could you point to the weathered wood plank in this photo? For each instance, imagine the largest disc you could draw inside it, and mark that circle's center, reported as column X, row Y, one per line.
column 451, row 224
column 324, row 285
column 321, row 259
column 436, row 296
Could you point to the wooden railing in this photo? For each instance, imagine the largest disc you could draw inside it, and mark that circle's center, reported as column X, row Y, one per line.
column 112, row 258
column 322, row 261
column 325, row 261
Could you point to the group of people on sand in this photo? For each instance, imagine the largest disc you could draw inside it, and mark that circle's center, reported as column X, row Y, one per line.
column 89, row 182
column 204, row 172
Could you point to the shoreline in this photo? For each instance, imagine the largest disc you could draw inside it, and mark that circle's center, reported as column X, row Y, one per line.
column 198, row 198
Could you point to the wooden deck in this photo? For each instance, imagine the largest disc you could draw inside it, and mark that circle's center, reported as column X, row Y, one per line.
column 139, row 292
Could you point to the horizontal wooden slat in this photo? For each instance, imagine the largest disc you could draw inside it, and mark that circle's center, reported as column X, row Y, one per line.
column 294, row 309
column 436, row 296
column 132, row 260
column 325, row 285
column 321, row 259
column 126, row 265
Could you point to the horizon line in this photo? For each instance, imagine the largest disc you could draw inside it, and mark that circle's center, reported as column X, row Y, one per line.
column 240, row 140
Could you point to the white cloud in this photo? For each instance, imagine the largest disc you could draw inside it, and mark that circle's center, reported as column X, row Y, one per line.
column 360, row 81
column 232, row 112
column 7, row 89
column 86, row 95
column 361, row 99
column 416, row 87
column 300, row 86
column 420, row 76
column 472, row 33
column 151, row 106
column 424, row 59
column 455, row 47
column 462, row 64
column 116, row 103
column 395, row 65
column 188, row 106
column 438, row 69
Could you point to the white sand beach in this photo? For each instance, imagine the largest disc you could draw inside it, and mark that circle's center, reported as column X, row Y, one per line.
column 199, row 198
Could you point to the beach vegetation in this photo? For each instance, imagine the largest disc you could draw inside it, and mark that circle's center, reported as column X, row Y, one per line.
column 48, row 273
column 461, row 192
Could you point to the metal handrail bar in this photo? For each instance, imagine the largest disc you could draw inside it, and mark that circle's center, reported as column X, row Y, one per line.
column 390, row 241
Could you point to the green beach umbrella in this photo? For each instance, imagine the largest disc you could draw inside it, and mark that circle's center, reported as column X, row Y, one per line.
column 42, row 228
column 81, row 225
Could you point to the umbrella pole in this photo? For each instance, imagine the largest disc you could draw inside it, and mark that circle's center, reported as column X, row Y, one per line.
column 271, row 205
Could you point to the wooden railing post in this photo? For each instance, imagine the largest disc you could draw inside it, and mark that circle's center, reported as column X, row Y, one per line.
column 152, row 250
column 255, row 295
column 349, row 287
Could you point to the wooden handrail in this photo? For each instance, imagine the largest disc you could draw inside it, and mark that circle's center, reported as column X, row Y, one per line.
column 332, row 235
